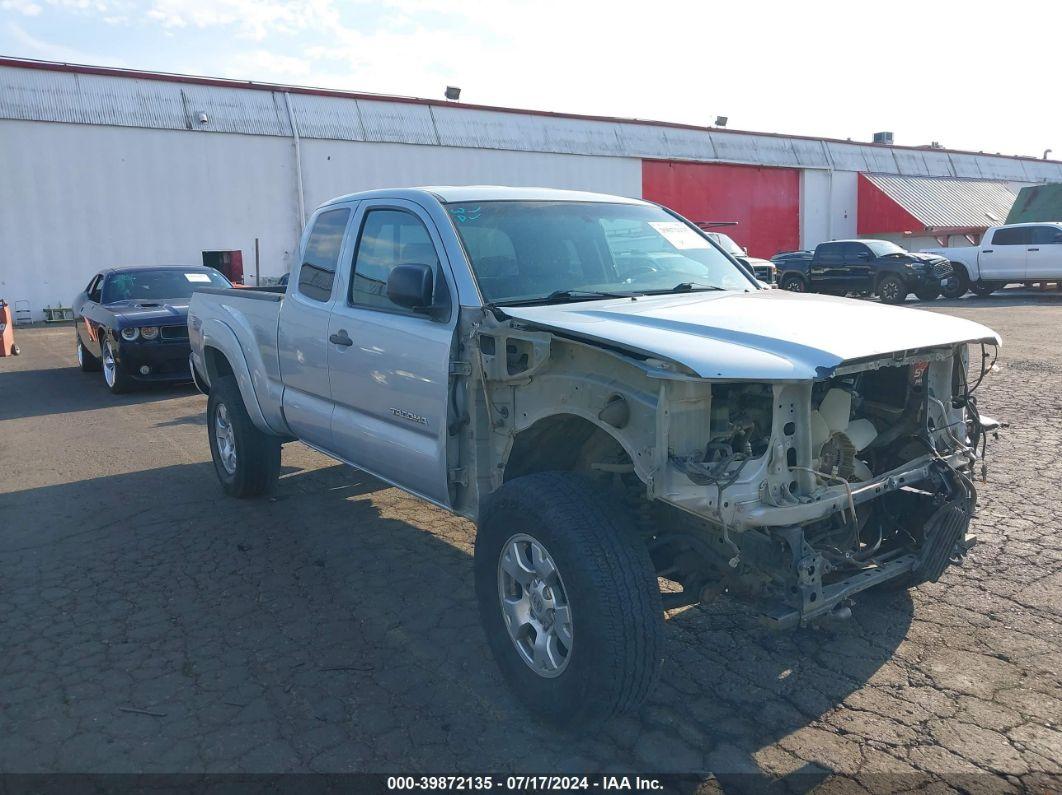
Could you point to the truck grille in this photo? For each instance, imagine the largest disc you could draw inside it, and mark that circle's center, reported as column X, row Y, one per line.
column 174, row 332
column 764, row 274
column 942, row 270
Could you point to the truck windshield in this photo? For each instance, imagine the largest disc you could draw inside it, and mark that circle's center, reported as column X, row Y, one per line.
column 882, row 248
column 726, row 242
column 547, row 250
column 159, row 285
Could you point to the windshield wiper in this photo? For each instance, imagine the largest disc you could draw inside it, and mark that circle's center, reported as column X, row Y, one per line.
column 558, row 296
column 686, row 287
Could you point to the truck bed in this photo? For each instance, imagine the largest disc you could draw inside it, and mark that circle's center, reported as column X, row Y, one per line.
column 243, row 323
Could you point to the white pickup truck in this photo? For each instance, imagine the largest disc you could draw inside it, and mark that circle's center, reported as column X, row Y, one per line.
column 632, row 421
column 1018, row 253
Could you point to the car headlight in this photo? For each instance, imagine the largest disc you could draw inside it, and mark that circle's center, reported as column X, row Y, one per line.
column 130, row 334
column 149, row 332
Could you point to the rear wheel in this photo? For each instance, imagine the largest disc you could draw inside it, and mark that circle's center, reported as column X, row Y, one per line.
column 246, row 460
column 568, row 598
column 85, row 360
column 794, row 283
column 891, row 289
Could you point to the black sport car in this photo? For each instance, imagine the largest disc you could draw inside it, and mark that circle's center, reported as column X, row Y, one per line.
column 132, row 323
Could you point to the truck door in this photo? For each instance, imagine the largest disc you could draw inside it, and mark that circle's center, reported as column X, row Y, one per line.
column 1044, row 255
column 1003, row 258
column 826, row 264
column 859, row 271
column 303, row 336
column 390, row 366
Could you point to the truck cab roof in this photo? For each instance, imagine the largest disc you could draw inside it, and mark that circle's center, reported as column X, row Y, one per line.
column 446, row 194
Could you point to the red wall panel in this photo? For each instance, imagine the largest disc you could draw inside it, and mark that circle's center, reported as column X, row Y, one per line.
column 764, row 201
column 878, row 213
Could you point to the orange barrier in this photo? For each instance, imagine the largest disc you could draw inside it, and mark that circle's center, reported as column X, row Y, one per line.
column 7, row 331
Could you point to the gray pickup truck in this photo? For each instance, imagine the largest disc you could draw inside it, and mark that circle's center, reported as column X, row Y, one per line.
column 632, row 422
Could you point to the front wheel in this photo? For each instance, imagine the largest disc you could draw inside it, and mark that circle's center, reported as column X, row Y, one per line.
column 568, row 598
column 984, row 289
column 892, row 290
column 794, row 283
column 247, row 461
column 928, row 293
column 958, row 284
column 114, row 375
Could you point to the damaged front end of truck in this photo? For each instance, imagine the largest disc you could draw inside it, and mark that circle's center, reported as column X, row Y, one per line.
column 792, row 494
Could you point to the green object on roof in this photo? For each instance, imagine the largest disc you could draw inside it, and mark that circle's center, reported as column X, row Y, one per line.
column 1037, row 203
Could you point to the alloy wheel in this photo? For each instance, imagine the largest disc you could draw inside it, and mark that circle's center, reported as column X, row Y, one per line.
column 534, row 604
column 226, row 438
column 110, row 367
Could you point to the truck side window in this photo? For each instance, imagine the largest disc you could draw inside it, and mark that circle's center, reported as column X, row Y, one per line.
column 390, row 238
column 856, row 252
column 1014, row 236
column 829, row 253
column 1046, row 235
column 318, row 269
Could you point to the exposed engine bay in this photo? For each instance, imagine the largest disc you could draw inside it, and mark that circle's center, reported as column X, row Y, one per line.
column 793, row 495
column 900, row 441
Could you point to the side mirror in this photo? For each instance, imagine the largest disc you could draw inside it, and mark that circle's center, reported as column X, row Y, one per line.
column 412, row 286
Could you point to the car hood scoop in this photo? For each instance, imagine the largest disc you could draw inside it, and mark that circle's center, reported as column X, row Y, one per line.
column 767, row 335
column 150, row 310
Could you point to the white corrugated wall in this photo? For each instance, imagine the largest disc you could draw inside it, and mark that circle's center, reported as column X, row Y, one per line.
column 77, row 198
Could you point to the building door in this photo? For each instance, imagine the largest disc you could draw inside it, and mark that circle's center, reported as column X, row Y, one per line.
column 228, row 263
column 764, row 201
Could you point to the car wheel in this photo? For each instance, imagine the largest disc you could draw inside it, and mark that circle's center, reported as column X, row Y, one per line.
column 892, row 290
column 959, row 283
column 85, row 360
column 794, row 283
column 113, row 375
column 568, row 598
column 247, row 461
column 984, row 289
column 928, row 293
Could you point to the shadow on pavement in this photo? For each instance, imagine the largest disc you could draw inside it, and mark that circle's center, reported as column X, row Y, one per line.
column 334, row 628
column 39, row 393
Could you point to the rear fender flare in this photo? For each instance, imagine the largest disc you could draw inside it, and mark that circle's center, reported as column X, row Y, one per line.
column 221, row 338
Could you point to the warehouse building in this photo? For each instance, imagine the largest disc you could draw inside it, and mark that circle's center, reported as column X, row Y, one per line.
column 105, row 167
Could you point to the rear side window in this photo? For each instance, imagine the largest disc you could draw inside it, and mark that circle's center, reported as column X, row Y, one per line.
column 318, row 270
column 390, row 238
column 1015, row 236
column 829, row 252
column 1047, row 235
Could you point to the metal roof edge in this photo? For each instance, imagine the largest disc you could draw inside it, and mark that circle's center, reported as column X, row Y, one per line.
column 220, row 82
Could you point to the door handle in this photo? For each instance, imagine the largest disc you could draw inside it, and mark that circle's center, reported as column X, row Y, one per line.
column 987, row 251
column 1033, row 249
column 341, row 338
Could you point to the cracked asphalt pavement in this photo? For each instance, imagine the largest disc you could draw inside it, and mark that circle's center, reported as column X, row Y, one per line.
column 149, row 624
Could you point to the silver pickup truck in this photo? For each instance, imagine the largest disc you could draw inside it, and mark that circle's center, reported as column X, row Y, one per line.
column 632, row 422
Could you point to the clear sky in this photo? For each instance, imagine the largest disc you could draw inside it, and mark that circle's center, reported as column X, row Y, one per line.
column 968, row 75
